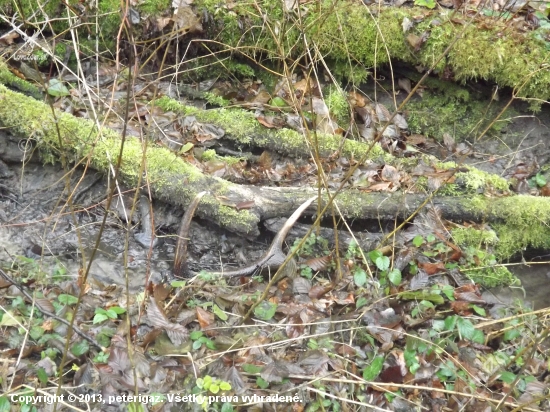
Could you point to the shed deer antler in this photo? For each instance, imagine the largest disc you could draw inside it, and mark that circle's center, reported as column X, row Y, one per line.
column 272, row 258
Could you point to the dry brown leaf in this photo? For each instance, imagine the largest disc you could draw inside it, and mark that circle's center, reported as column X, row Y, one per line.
column 416, row 139
column 378, row 187
column 405, row 84
column 176, row 332
column 356, row 99
column 8, row 38
column 432, row 268
column 206, row 319
column 382, row 112
column 318, row 263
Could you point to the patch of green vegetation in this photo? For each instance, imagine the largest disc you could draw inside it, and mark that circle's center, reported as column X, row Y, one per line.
column 243, row 127
column 42, row 58
column 26, row 117
column 523, row 222
column 215, row 100
column 207, row 68
column 482, row 267
column 475, row 180
column 269, row 80
column 468, row 236
column 9, row 79
column 211, row 154
column 152, row 7
column 455, row 113
column 353, row 37
column 337, row 102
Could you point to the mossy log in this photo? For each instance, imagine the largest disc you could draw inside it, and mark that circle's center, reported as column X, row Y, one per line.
column 522, row 220
column 348, row 31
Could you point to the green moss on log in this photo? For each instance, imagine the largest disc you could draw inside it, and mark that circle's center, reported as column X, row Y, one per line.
column 346, row 31
column 28, row 118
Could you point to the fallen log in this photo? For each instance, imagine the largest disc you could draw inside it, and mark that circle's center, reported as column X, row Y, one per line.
column 523, row 219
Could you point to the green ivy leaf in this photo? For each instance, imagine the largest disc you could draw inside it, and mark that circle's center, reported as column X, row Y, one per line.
column 196, row 334
column 99, row 317
column 479, row 337
column 5, row 405
column 374, row 369
column 418, row 240
column 511, row 334
column 80, row 348
column 227, row 407
column 135, row 407
column 395, row 276
column 465, row 328
column 362, row 301
column 382, row 262
column 118, row 310
column 219, row 313
column 42, row 376
column 425, row 3
column 110, row 313
column 278, row 102
column 374, row 254
column 210, row 344
column 450, row 323
column 225, row 386
column 479, row 310
column 186, row 147
column 540, row 180
column 360, row 277
column 67, row 299
column 262, row 383
column 249, row 368
column 448, row 291
column 57, row 89
column 507, row 377
column 265, row 310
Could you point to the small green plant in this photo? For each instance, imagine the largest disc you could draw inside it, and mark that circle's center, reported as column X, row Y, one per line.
column 322, row 343
column 101, row 357
column 538, row 180
column 112, row 313
column 382, row 263
column 215, row 100
column 207, row 387
column 425, row 3
column 313, row 246
column 423, row 307
column 338, row 105
column 199, row 339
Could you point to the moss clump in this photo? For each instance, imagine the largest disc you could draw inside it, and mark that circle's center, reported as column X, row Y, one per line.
column 475, row 180
column 352, row 37
column 468, row 236
column 338, row 105
column 9, row 79
column 220, row 68
column 245, row 129
column 454, row 113
column 479, row 261
column 523, row 222
column 492, row 275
